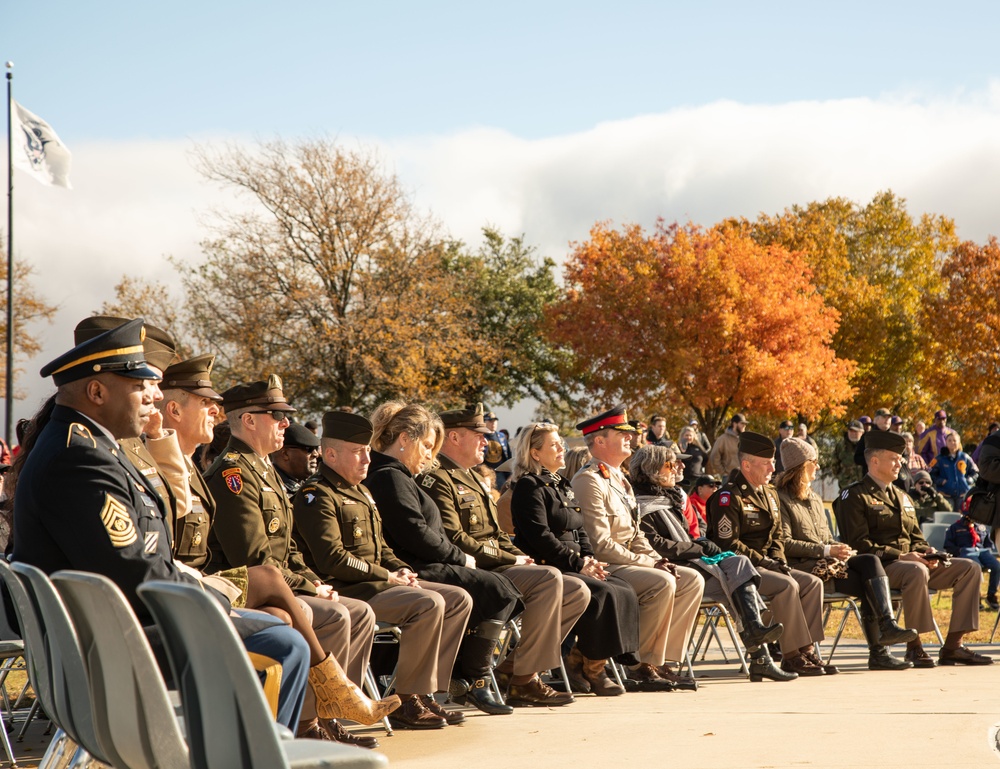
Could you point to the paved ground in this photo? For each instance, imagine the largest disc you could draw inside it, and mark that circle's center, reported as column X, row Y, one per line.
column 914, row 718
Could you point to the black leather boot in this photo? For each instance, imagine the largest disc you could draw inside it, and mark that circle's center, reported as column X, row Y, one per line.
column 762, row 666
column 755, row 633
column 879, row 657
column 880, row 601
column 476, row 660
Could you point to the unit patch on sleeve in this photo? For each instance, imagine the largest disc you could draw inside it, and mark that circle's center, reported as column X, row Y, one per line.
column 234, row 479
column 428, row 481
column 724, row 499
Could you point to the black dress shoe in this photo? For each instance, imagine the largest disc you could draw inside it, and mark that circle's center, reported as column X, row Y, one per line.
column 413, row 715
column 453, row 717
column 963, row 655
column 879, row 658
column 339, row 734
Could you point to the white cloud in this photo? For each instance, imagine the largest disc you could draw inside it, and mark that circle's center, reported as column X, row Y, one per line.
column 134, row 203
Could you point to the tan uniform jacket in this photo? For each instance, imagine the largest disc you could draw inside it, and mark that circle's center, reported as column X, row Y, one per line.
column 339, row 531
column 253, row 517
column 804, row 529
column 611, row 516
column 879, row 522
column 746, row 520
column 469, row 514
column 191, row 532
column 151, row 469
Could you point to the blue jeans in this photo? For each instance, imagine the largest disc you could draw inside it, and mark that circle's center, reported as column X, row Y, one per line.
column 988, row 559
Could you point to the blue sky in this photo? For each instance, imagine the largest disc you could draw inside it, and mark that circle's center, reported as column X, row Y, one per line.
column 538, row 118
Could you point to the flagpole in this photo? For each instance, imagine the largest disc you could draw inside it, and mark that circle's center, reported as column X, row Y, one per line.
column 9, row 410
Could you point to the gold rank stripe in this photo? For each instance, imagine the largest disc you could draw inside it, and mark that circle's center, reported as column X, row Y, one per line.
column 116, row 520
column 98, row 355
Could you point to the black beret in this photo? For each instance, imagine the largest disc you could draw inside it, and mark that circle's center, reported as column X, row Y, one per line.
column 345, row 426
column 118, row 351
column 885, row 439
column 756, row 445
column 301, row 436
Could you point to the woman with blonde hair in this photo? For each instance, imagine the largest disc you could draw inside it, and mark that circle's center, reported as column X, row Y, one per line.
column 405, row 440
column 548, row 526
column 810, row 547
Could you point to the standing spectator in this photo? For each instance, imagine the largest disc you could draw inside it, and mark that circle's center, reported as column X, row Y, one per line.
column 932, row 440
column 911, row 458
column 658, row 435
column 802, row 433
column 784, row 432
column 994, row 426
column 953, row 470
column 918, row 427
column 881, row 424
column 497, row 449
column 843, row 462
column 700, row 438
column 968, row 539
column 724, row 458
column 638, row 438
column 695, row 455
column 866, row 422
column 896, row 424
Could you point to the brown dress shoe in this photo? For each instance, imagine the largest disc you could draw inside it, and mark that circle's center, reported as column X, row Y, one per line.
column 312, row 730
column 919, row 658
column 963, row 655
column 811, row 655
column 413, row 715
column 799, row 664
column 645, row 678
column 535, row 692
column 339, row 734
column 678, row 680
column 453, row 717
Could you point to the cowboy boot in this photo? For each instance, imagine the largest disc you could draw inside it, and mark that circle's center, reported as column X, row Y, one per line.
column 755, row 633
column 597, row 676
column 337, row 697
column 877, row 592
column 574, row 662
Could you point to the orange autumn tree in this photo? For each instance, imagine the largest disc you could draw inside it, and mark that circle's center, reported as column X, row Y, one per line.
column 964, row 336
column 702, row 320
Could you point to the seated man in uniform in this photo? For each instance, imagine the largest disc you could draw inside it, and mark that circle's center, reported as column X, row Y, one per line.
column 469, row 516
column 878, row 517
column 339, row 530
column 253, row 524
column 744, row 516
column 115, row 526
column 669, row 595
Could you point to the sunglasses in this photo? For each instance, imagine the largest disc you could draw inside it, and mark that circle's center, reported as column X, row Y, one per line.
column 276, row 414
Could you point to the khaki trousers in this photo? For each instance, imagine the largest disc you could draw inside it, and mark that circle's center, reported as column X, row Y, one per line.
column 913, row 579
column 433, row 618
column 668, row 609
column 345, row 629
column 796, row 601
column 552, row 606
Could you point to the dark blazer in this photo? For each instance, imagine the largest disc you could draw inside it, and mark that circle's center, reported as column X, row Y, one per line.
column 80, row 504
column 548, row 523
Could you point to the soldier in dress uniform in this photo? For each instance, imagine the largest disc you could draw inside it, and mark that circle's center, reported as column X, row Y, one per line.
column 878, row 517
column 80, row 504
column 669, row 595
column 253, row 523
column 744, row 516
column 339, row 531
column 298, row 459
column 469, row 516
column 155, row 453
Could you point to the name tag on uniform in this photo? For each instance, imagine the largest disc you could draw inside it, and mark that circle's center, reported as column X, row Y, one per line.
column 349, row 501
column 877, row 508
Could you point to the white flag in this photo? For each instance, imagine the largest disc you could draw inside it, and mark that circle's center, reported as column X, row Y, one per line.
column 38, row 150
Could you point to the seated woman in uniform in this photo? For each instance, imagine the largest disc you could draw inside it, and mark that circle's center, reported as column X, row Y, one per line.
column 731, row 580
column 810, row 547
column 548, row 526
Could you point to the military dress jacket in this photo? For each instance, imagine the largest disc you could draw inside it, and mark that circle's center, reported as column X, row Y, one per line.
column 137, row 453
column 80, row 504
column 469, row 514
column 548, row 522
column 880, row 522
column 746, row 520
column 339, row 531
column 253, row 518
column 611, row 516
column 191, row 532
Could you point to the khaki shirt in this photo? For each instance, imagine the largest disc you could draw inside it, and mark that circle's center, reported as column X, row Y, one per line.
column 611, row 516
column 746, row 520
column 253, row 519
column 339, row 531
column 469, row 514
column 880, row 522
